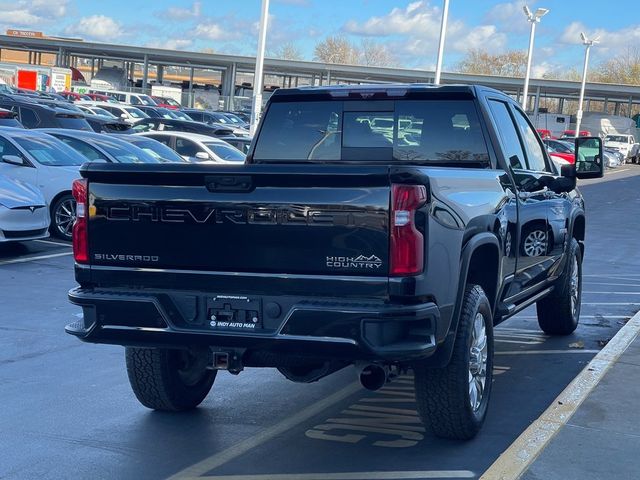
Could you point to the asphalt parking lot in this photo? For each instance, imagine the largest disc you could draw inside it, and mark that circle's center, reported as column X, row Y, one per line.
column 68, row 411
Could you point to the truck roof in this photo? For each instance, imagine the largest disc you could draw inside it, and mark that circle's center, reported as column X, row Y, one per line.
column 376, row 91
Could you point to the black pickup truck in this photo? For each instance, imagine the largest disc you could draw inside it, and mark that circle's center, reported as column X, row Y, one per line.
column 387, row 227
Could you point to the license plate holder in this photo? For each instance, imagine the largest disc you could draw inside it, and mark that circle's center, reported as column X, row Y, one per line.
column 234, row 312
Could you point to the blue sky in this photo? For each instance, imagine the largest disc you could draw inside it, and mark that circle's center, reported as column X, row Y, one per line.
column 410, row 29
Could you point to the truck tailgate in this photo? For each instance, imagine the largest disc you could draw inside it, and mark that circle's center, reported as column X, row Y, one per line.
column 298, row 219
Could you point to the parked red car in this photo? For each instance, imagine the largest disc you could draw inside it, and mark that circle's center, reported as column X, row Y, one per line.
column 165, row 102
column 544, row 133
column 73, row 96
column 560, row 149
column 99, row 97
column 572, row 133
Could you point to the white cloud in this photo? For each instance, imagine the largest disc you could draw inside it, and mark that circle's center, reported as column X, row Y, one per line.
column 172, row 44
column 417, row 17
column 212, row 31
column 414, row 32
column 96, row 27
column 510, row 16
column 609, row 41
column 176, row 13
column 32, row 13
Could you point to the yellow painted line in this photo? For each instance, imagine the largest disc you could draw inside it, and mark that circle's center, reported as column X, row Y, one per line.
column 347, row 476
column 516, row 459
column 234, row 451
column 33, row 259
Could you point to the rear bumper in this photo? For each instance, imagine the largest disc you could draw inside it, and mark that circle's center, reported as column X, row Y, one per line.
column 319, row 328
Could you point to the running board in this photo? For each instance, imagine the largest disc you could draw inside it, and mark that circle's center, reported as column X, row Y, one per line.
column 510, row 309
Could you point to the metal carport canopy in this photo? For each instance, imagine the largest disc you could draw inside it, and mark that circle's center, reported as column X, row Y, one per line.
column 359, row 73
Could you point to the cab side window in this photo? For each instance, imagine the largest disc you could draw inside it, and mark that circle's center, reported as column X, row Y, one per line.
column 509, row 139
column 534, row 150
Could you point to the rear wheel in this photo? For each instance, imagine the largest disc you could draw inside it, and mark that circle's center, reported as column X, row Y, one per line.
column 535, row 241
column 169, row 380
column 559, row 312
column 452, row 401
column 63, row 214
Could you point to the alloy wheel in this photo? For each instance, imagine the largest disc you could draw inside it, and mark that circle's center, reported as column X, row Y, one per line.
column 65, row 216
column 535, row 244
column 478, row 354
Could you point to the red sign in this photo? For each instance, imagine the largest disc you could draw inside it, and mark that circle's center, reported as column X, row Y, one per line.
column 24, row 33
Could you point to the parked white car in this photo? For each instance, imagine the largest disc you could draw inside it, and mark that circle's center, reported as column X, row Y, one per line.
column 39, row 159
column 127, row 113
column 93, row 110
column 23, row 211
column 198, row 148
column 625, row 144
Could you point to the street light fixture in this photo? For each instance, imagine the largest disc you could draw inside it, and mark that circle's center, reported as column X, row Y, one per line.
column 532, row 18
column 443, row 33
column 588, row 44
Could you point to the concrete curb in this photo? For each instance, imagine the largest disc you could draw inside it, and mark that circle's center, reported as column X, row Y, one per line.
column 516, row 459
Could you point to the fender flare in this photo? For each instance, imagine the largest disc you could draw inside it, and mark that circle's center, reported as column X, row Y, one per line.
column 442, row 356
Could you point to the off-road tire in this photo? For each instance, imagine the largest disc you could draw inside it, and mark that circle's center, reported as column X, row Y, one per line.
column 556, row 316
column 442, row 394
column 156, row 379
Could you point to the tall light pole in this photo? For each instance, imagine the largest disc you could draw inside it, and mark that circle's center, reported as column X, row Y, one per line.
column 443, row 34
column 257, row 79
column 533, row 18
column 588, row 44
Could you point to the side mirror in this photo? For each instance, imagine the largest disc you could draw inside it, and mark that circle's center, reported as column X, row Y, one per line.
column 202, row 156
column 123, row 115
column 589, row 157
column 13, row 160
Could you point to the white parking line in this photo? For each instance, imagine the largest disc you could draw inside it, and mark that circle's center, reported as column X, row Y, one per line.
column 528, row 446
column 250, row 443
column 49, row 242
column 545, row 352
column 33, row 259
column 613, row 293
column 610, row 303
column 347, row 476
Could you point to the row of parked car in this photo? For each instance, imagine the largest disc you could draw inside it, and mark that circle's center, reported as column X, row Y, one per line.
column 44, row 140
column 618, row 148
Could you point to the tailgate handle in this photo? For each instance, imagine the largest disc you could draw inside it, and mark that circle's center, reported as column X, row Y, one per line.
column 228, row 183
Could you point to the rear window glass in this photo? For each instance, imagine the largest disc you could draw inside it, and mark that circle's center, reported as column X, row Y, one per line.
column 50, row 151
column 126, row 154
column 74, row 123
column 415, row 131
column 10, row 122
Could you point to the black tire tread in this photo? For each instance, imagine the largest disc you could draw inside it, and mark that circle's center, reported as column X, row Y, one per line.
column 441, row 397
column 554, row 311
column 155, row 385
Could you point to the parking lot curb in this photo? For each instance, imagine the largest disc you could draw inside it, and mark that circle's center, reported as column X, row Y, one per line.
column 516, row 459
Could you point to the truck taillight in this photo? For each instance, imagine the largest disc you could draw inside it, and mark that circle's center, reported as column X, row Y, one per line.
column 80, row 231
column 407, row 242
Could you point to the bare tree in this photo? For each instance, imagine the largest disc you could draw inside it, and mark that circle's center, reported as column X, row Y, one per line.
column 287, row 51
column 477, row 61
column 375, row 54
column 336, row 49
column 623, row 67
